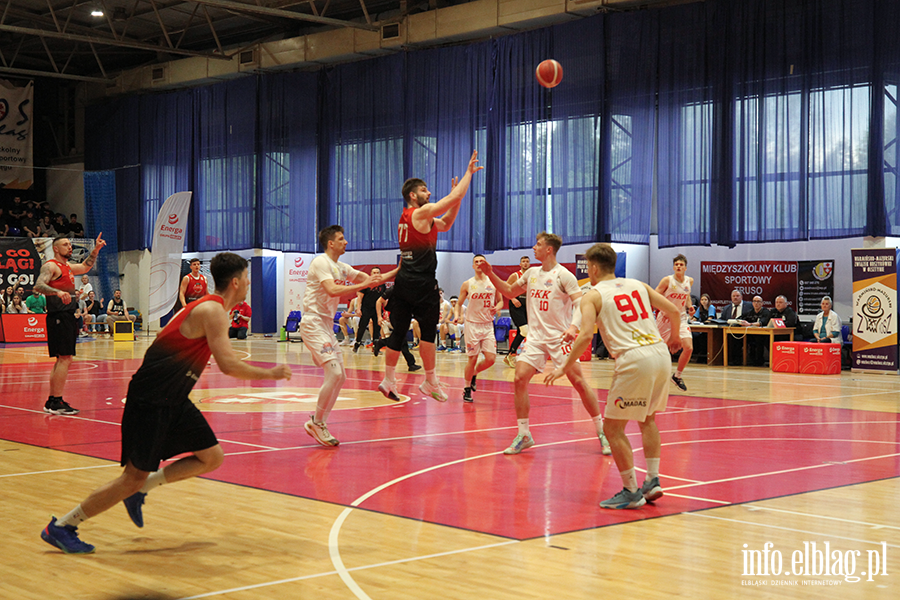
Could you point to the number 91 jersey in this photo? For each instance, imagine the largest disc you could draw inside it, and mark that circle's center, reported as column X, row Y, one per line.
column 626, row 317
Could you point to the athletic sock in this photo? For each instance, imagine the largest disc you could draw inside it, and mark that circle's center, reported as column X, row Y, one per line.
column 678, row 373
column 652, row 468
column 629, row 480
column 430, row 377
column 154, row 480
column 598, row 423
column 389, row 372
column 74, row 518
column 523, row 426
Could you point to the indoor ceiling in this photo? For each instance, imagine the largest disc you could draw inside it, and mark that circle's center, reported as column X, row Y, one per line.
column 62, row 39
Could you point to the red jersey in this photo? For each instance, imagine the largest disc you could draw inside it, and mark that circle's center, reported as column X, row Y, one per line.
column 173, row 363
column 418, row 250
column 196, row 287
column 64, row 283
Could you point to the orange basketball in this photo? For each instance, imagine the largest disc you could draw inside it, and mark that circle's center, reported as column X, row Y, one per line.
column 549, row 73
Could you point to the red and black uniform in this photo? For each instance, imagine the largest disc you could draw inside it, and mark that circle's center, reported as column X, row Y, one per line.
column 519, row 316
column 160, row 421
column 196, row 288
column 62, row 326
column 415, row 289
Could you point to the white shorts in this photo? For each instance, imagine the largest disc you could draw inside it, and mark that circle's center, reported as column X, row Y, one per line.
column 480, row 338
column 662, row 322
column 354, row 323
column 537, row 352
column 640, row 383
column 318, row 336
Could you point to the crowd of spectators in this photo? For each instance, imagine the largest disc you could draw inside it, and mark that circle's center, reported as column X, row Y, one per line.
column 33, row 219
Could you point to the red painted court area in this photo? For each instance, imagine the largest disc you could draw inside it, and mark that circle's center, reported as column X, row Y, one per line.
column 443, row 463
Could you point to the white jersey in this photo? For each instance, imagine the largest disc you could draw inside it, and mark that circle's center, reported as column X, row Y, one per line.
column 626, row 316
column 482, row 300
column 678, row 294
column 315, row 300
column 446, row 309
column 548, row 302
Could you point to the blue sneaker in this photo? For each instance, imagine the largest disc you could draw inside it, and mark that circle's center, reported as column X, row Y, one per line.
column 441, row 348
column 625, row 499
column 133, row 505
column 65, row 538
column 522, row 441
column 651, row 490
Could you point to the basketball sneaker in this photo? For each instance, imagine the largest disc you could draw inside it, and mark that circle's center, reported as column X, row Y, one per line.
column 435, row 390
column 320, row 433
column 651, row 489
column 413, row 368
column 625, row 499
column 679, row 382
column 522, row 441
column 58, row 406
column 467, row 395
column 65, row 538
column 472, row 383
column 605, row 450
column 133, row 505
column 510, row 361
column 389, row 390
column 441, row 348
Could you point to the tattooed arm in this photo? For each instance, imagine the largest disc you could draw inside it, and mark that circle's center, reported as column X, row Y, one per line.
column 49, row 272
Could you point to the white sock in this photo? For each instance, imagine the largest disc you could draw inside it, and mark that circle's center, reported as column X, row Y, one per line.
column 678, row 373
column 598, row 423
column 156, row 479
column 430, row 377
column 652, row 468
column 629, row 480
column 523, row 426
column 389, row 372
column 74, row 518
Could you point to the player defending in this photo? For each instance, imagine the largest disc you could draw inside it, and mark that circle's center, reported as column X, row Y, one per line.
column 484, row 303
column 416, row 290
column 677, row 289
column 551, row 291
column 519, row 314
column 324, row 288
column 193, row 285
column 57, row 281
column 160, row 421
column 640, row 383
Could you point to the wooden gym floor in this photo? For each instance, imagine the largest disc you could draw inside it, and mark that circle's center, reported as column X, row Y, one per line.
column 419, row 501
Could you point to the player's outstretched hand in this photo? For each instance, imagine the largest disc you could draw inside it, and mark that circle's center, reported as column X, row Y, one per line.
column 281, row 372
column 570, row 334
column 553, row 376
column 473, row 163
column 99, row 242
column 486, row 268
column 453, row 183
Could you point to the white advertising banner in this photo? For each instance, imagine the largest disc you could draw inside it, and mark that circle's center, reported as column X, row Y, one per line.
column 168, row 245
column 16, row 145
column 296, row 270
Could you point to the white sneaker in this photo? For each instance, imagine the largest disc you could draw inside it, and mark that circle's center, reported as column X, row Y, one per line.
column 521, row 442
column 436, row 391
column 605, row 450
column 320, row 433
column 389, row 390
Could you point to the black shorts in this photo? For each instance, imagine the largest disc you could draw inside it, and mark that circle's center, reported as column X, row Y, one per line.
column 152, row 433
column 518, row 315
column 422, row 303
column 62, row 333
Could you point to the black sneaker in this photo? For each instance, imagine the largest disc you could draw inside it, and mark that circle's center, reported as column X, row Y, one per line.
column 467, row 395
column 58, row 406
column 472, row 384
column 376, row 348
column 679, row 382
column 355, row 347
column 414, row 367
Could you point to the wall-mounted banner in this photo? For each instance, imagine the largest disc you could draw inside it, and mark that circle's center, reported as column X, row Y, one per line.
column 20, row 262
column 803, row 283
column 875, row 309
column 16, row 149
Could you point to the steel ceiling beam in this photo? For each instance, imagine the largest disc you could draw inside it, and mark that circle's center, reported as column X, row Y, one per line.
column 90, row 39
column 285, row 14
column 34, row 73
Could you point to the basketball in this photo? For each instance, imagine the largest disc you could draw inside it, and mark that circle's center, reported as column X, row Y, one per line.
column 549, row 73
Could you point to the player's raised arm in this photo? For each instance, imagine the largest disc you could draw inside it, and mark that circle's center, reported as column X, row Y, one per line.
column 214, row 322
column 510, row 291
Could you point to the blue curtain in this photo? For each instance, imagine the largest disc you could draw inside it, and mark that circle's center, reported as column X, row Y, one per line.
column 166, row 158
column 361, row 167
column 225, row 166
column 444, row 127
column 287, row 162
column 100, row 217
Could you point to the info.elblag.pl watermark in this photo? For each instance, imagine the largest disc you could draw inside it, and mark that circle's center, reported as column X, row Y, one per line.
column 816, row 564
